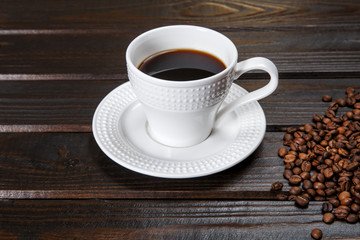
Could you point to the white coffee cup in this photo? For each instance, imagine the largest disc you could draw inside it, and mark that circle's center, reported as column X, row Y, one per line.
column 183, row 113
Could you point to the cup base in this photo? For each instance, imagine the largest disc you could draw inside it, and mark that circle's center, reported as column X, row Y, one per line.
column 177, row 143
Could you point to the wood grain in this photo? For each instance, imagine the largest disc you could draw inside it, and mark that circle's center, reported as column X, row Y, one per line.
column 71, row 166
column 116, row 14
column 69, row 105
column 109, row 219
column 94, row 55
column 59, row 59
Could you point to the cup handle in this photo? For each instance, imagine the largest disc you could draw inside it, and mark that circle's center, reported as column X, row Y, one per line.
column 258, row 63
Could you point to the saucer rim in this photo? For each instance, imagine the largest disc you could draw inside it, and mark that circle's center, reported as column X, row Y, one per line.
column 147, row 172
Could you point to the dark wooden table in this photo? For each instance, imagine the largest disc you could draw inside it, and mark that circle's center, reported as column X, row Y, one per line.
column 59, row 59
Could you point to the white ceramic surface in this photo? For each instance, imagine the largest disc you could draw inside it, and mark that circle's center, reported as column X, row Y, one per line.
column 183, row 113
column 120, row 129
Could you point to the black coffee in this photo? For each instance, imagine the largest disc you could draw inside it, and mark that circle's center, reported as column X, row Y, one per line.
column 181, row 65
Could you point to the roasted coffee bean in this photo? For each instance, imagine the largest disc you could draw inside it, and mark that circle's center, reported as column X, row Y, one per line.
column 336, row 168
column 328, row 173
column 328, row 162
column 302, row 201
column 311, row 192
column 352, row 218
column 317, row 118
column 277, row 186
column 294, row 146
column 352, row 166
column 356, row 182
column 330, row 192
column 350, row 90
column 333, row 106
column 355, row 207
column 327, row 207
column 343, row 152
column 304, row 157
column 295, row 153
column 318, row 185
column 282, row 151
column 325, row 161
column 295, row 180
column 328, row 218
column 291, row 197
column 305, row 175
column 320, row 192
column 337, row 158
column 357, row 96
column 300, row 141
column 298, row 162
column 326, row 98
column 308, row 128
column 341, row 102
column 343, row 195
column 281, row 196
column 330, row 114
column 350, row 101
column 330, row 184
column 343, row 163
column 295, row 190
column 297, row 170
column 349, row 115
column 356, row 111
column 344, row 207
column 303, row 148
column 341, row 213
column 287, row 173
column 324, row 143
column 317, row 138
column 298, row 134
column 355, row 193
column 335, row 202
column 316, row 233
column 319, row 198
column 321, row 167
column 319, row 150
column 289, row 166
column 339, row 145
column 288, row 137
column 320, row 177
column 306, row 166
column 344, row 185
column 315, row 163
column 307, row 184
column 346, row 201
column 289, row 158
column 313, row 178
column 291, row 129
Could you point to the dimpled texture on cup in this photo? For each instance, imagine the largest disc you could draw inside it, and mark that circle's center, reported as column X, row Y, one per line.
column 180, row 98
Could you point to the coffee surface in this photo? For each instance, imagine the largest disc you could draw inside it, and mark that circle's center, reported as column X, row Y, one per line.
column 181, row 65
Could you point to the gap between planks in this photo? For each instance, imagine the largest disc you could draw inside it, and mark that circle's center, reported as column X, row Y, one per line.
column 24, row 128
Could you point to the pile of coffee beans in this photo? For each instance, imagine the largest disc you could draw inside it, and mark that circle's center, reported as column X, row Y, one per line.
column 322, row 160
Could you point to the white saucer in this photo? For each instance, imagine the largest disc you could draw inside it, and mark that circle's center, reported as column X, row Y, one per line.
column 119, row 128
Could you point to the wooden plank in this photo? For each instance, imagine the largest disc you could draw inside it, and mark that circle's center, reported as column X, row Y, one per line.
column 69, row 105
column 114, row 14
column 50, row 106
column 296, row 100
column 71, row 166
column 133, row 219
column 93, row 55
column 8, row 128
